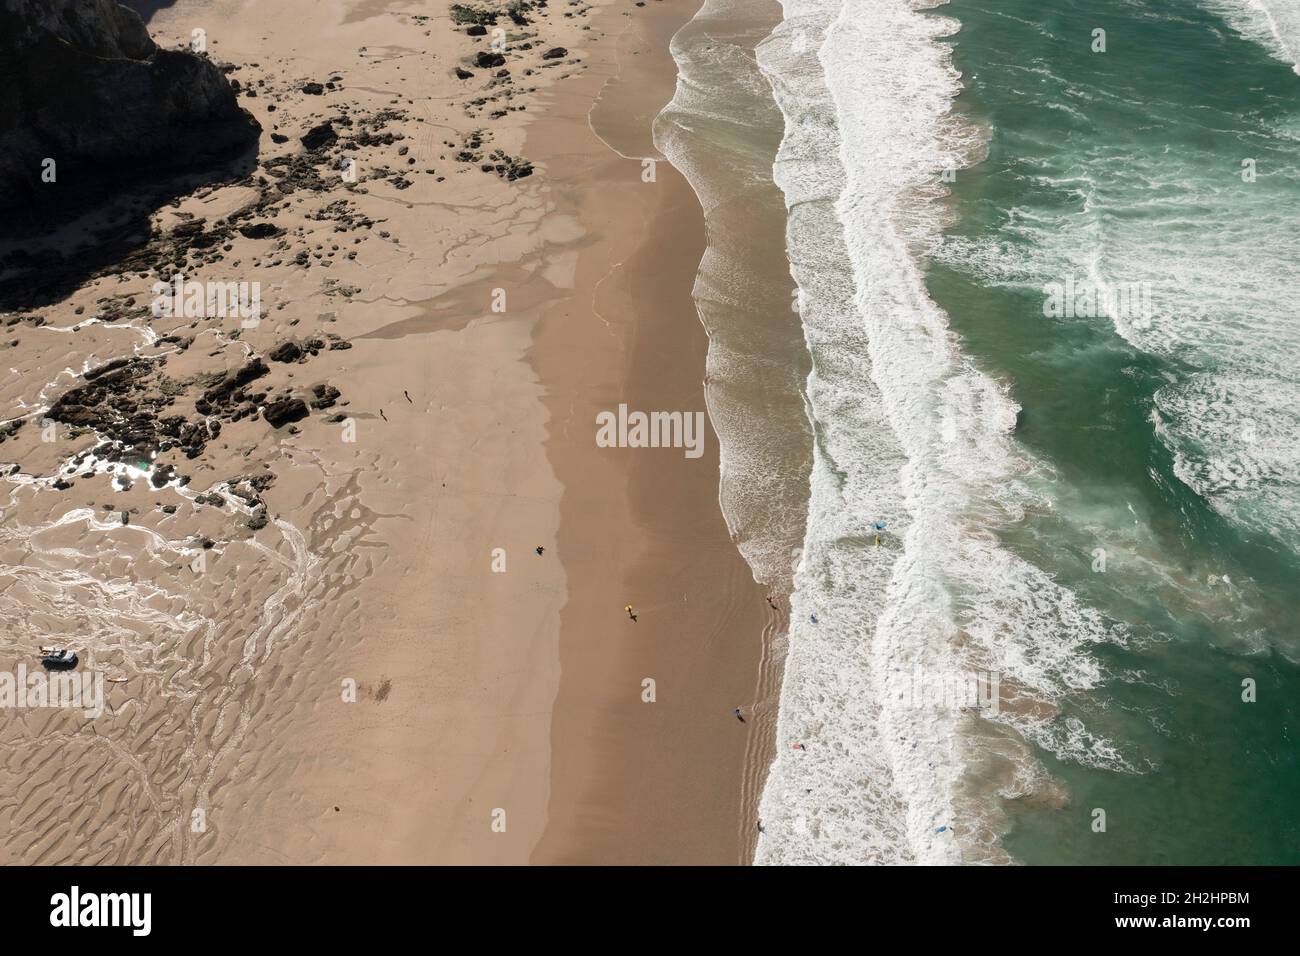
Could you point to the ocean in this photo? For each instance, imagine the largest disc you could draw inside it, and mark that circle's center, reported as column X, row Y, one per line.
column 1035, row 321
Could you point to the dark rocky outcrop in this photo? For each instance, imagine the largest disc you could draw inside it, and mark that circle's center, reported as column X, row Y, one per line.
column 284, row 410
column 230, row 388
column 128, row 127
column 110, row 402
column 320, row 136
column 82, row 83
column 260, row 230
column 132, row 406
column 506, row 166
column 325, row 395
column 464, row 13
column 288, row 351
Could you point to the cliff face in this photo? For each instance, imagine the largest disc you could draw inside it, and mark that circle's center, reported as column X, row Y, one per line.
column 82, row 83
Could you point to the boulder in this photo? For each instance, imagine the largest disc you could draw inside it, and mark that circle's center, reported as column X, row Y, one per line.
column 260, row 230
column 320, row 136
column 287, row 351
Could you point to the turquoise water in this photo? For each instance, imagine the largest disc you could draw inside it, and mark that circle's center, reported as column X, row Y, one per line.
column 1169, row 440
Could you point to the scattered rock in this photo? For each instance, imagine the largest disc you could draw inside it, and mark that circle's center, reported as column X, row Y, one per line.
column 326, row 395
column 231, row 384
column 463, row 13
column 162, row 475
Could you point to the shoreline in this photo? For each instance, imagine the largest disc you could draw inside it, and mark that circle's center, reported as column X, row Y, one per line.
column 672, row 780
column 343, row 541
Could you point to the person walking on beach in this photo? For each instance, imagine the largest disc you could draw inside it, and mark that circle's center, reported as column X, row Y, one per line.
column 772, row 604
column 739, row 716
column 630, row 613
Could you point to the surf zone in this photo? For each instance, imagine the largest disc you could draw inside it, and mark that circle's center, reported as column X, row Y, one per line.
column 1126, row 301
column 626, row 429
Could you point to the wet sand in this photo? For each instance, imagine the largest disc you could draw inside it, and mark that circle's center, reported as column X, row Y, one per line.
column 673, row 781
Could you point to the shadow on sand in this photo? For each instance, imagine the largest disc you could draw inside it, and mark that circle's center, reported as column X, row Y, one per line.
column 147, row 8
column 49, row 248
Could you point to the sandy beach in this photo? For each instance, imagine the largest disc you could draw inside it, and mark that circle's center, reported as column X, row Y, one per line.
column 410, row 644
column 637, row 782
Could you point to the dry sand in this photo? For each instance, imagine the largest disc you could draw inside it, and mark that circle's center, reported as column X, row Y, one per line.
column 484, row 697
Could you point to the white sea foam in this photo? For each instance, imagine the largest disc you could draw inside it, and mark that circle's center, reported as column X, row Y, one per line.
column 721, row 130
column 1219, row 255
column 908, row 433
column 1274, row 24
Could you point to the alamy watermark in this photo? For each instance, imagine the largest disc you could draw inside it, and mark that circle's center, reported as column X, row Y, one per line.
column 1125, row 301
column 133, row 911
column 949, row 690
column 626, row 429
column 73, row 690
column 208, row 300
